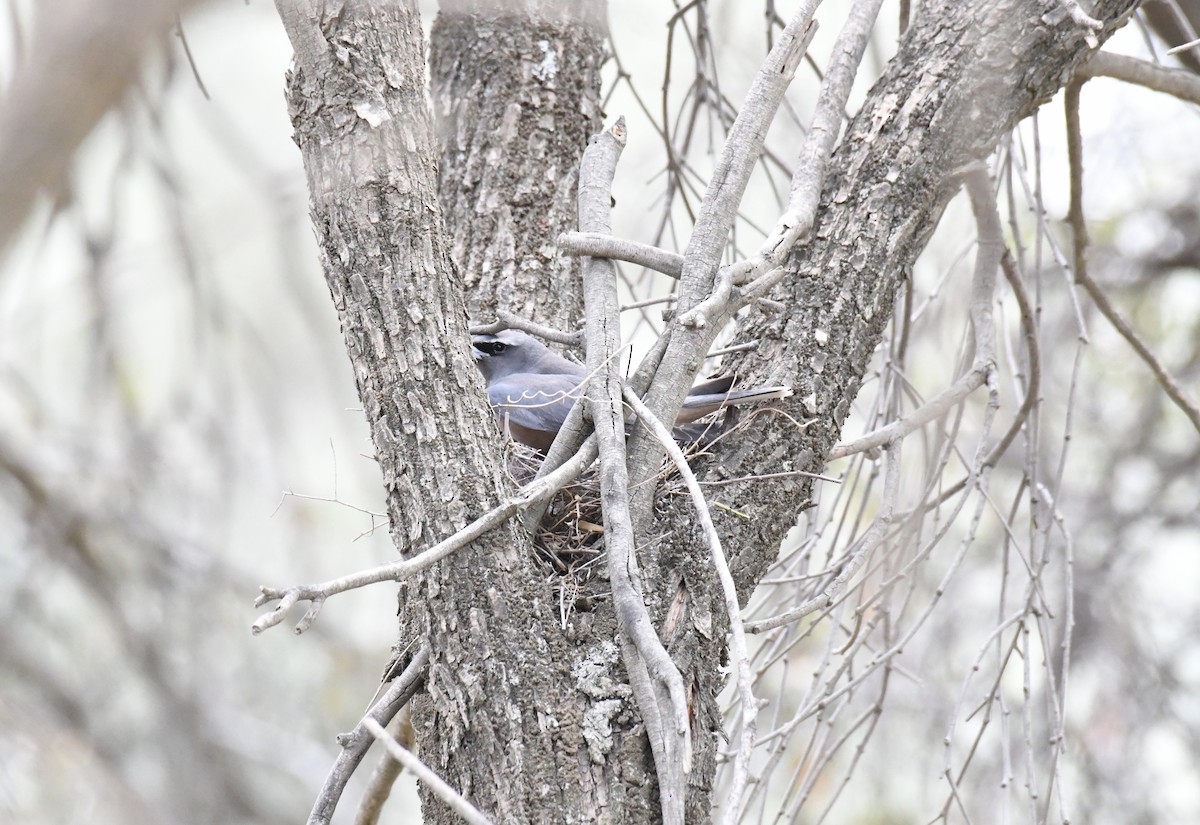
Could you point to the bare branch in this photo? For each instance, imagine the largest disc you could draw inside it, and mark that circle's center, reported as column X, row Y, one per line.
column 989, row 251
column 983, row 290
column 818, row 145
column 699, row 303
column 1183, row 47
column 378, row 790
column 606, row 246
column 1183, row 400
column 769, row 476
column 742, row 150
column 456, row 801
column 929, row 411
column 1177, row 82
column 656, row 681
column 1012, row 274
column 508, row 320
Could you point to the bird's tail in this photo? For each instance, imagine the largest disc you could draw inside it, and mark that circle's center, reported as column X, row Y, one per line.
column 700, row 405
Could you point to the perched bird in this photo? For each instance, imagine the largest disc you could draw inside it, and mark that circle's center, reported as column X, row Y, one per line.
column 532, row 389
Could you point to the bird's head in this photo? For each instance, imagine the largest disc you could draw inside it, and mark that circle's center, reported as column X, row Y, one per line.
column 512, row 352
column 507, row 352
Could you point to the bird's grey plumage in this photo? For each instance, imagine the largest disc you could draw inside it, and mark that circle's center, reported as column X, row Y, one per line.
column 532, row 388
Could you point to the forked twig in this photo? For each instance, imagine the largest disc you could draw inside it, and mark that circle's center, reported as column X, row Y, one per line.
column 456, row 801
column 357, row 742
column 539, row 490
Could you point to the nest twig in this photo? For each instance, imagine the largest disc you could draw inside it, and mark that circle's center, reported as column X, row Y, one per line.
column 569, row 541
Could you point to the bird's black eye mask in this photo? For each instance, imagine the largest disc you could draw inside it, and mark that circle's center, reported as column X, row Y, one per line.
column 490, row 347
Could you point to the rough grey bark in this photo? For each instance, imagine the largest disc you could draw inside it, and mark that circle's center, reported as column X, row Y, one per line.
column 516, row 96
column 356, row 97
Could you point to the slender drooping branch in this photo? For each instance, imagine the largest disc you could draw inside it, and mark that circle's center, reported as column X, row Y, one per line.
column 991, row 250
column 737, row 634
column 1181, row 397
column 983, row 289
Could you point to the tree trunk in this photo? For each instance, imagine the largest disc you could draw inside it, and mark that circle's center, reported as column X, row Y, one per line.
column 530, row 722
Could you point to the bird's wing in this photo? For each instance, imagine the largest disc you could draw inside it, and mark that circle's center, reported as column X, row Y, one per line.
column 534, row 401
